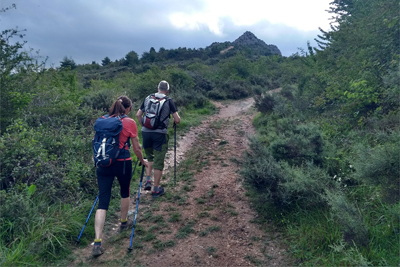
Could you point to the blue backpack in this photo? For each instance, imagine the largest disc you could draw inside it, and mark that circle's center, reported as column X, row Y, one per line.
column 106, row 140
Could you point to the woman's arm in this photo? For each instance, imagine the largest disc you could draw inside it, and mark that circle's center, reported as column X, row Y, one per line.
column 138, row 151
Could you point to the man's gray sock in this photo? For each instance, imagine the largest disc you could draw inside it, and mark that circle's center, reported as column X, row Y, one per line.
column 148, row 178
column 155, row 188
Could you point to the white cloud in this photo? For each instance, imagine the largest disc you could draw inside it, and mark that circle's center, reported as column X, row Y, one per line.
column 302, row 15
column 89, row 30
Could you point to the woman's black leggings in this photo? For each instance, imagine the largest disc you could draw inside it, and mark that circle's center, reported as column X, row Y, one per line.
column 105, row 179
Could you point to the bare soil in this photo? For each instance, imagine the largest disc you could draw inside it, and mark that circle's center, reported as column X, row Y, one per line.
column 215, row 209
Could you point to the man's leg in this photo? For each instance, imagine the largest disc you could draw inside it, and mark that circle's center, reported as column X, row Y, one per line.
column 149, row 168
column 159, row 155
column 148, row 149
column 157, row 177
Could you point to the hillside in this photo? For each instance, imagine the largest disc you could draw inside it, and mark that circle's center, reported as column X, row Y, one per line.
column 317, row 161
column 247, row 43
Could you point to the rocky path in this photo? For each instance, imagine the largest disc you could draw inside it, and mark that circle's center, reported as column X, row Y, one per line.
column 206, row 220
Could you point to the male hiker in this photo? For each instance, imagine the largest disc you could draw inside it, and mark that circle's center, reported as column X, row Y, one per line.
column 154, row 115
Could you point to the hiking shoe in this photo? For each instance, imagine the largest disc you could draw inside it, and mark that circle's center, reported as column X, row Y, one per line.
column 97, row 251
column 123, row 227
column 147, row 186
column 160, row 192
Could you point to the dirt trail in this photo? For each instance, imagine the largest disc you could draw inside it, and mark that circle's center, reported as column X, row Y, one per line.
column 215, row 212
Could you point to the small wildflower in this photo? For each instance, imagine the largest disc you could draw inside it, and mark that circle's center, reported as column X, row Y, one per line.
column 351, row 166
column 345, row 185
column 334, row 177
column 340, row 179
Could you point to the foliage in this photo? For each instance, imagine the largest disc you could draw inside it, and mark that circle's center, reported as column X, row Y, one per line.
column 106, row 61
column 67, row 63
column 325, row 164
column 283, row 184
column 19, row 72
column 132, row 58
column 379, row 166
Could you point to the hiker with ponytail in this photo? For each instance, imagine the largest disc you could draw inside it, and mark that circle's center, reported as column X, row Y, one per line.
column 121, row 168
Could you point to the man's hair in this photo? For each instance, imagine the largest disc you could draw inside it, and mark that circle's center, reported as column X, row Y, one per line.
column 163, row 86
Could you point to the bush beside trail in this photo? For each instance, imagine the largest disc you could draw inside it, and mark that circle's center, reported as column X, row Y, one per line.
column 325, row 162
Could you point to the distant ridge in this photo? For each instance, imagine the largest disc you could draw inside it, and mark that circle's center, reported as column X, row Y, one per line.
column 249, row 39
column 246, row 42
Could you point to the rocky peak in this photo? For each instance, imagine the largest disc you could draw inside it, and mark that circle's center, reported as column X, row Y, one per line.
column 250, row 40
column 247, row 38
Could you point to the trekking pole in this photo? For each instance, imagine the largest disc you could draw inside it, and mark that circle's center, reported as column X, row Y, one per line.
column 90, row 213
column 137, row 206
column 174, row 153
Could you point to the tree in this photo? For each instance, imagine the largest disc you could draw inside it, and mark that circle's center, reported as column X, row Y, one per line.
column 149, row 57
column 132, row 58
column 67, row 63
column 357, row 54
column 105, row 61
column 19, row 72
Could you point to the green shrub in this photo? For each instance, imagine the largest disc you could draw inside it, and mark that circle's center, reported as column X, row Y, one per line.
column 303, row 144
column 265, row 103
column 281, row 183
column 236, row 89
column 261, row 171
column 101, row 100
column 217, row 94
column 32, row 231
column 202, row 83
column 304, row 186
column 380, row 166
column 281, row 107
column 57, row 161
column 349, row 218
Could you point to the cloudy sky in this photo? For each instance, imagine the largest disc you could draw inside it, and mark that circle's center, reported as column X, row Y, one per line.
column 90, row 30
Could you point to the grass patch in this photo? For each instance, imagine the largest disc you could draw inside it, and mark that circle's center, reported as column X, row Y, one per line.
column 210, row 193
column 200, row 200
column 208, row 230
column 214, row 218
column 212, row 251
column 253, row 260
column 185, row 230
column 186, row 188
column 153, row 228
column 203, row 214
column 223, row 142
column 160, row 246
column 170, row 208
column 255, row 238
column 157, row 219
column 214, row 228
column 149, row 236
column 175, row 217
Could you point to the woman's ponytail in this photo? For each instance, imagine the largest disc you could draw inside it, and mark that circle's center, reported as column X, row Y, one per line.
column 119, row 107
